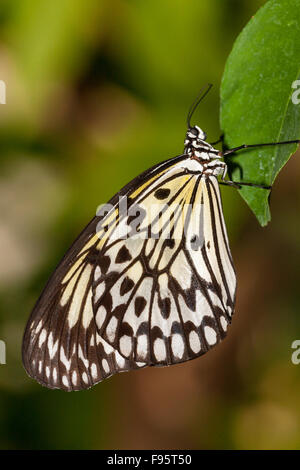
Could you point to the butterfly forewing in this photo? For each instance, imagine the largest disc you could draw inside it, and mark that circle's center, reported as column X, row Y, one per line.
column 61, row 346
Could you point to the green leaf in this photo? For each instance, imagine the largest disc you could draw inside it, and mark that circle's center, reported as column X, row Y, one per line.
column 256, row 98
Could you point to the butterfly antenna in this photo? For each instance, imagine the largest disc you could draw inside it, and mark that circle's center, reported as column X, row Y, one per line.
column 195, row 104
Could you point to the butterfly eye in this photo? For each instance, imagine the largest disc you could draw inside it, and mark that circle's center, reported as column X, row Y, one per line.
column 194, row 131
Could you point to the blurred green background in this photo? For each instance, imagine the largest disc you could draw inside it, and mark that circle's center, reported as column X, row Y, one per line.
column 98, row 91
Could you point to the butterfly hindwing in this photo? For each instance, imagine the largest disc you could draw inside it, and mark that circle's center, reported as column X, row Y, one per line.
column 166, row 294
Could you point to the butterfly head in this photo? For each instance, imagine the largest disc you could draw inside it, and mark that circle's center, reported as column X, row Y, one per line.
column 195, row 133
column 194, row 140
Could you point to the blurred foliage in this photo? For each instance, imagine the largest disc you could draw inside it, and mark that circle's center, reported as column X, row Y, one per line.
column 256, row 98
column 97, row 91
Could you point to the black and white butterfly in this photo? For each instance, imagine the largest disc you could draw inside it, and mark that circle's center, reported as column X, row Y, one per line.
column 153, row 285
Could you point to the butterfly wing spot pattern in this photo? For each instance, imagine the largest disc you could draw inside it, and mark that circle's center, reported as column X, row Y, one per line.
column 161, row 295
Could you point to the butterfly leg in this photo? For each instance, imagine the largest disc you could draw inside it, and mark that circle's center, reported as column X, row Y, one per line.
column 221, row 139
column 239, row 184
column 246, row 146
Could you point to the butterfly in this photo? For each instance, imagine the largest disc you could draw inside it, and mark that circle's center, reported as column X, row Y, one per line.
column 149, row 282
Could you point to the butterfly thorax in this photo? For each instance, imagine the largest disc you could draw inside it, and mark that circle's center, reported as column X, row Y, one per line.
column 196, row 147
